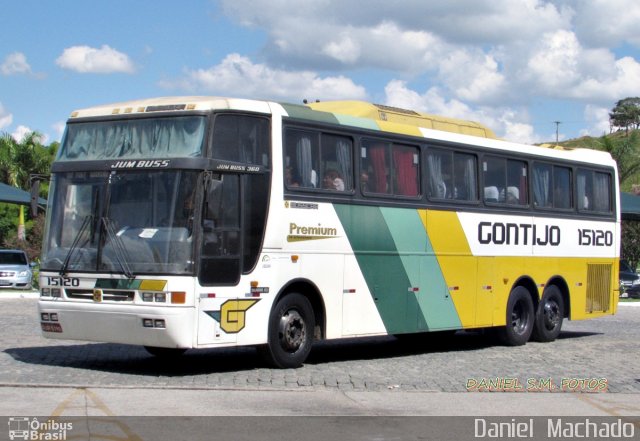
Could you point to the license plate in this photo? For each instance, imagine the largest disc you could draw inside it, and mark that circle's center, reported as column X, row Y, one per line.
column 51, row 327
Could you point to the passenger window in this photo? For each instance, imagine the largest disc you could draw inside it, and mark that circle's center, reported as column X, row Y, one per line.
column 318, row 160
column 594, row 191
column 301, row 161
column 505, row 181
column 374, row 167
column 552, row 186
column 387, row 168
column 452, row 175
column 336, row 163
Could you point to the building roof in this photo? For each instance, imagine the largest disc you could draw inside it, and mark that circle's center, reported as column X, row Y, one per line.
column 630, row 206
column 14, row 195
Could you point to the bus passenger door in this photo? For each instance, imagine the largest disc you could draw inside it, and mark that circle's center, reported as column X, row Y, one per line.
column 485, row 290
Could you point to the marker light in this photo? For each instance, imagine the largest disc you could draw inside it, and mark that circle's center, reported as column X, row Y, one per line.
column 179, row 297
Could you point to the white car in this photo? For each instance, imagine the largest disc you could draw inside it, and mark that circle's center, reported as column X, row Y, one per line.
column 15, row 270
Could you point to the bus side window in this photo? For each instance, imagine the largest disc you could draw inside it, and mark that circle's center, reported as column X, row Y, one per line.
column 374, row 163
column 336, row 162
column 406, row 166
column 562, row 187
column 439, row 167
column 301, row 150
column 465, row 177
column 594, row 191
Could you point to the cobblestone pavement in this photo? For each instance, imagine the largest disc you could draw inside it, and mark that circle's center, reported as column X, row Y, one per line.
column 588, row 356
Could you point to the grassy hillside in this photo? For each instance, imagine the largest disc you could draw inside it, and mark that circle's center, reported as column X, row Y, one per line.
column 617, row 138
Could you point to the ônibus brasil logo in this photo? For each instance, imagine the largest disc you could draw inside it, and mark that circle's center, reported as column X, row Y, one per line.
column 32, row 429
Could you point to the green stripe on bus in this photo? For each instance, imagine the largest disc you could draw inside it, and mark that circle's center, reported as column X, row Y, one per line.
column 435, row 308
column 303, row 112
column 395, row 256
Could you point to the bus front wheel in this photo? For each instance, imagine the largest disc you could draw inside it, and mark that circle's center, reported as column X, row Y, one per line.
column 290, row 333
column 549, row 316
column 520, row 318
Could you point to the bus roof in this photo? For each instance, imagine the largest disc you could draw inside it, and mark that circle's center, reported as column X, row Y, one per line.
column 350, row 113
column 403, row 116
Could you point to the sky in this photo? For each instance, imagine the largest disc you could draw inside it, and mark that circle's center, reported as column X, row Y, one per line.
column 530, row 70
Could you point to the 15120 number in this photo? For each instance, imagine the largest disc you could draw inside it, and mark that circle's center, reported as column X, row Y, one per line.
column 597, row 238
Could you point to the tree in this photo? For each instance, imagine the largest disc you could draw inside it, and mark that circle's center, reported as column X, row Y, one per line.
column 18, row 160
column 631, row 242
column 625, row 151
column 626, row 114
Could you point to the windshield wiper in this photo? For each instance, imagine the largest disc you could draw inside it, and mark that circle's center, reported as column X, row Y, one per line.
column 85, row 223
column 118, row 246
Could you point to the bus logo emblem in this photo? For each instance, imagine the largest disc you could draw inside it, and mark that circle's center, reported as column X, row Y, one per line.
column 97, row 295
column 232, row 314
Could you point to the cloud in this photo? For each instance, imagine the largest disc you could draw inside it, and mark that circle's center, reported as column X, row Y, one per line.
column 598, row 120
column 6, row 118
column 609, row 23
column 15, row 64
column 239, row 76
column 560, row 67
column 85, row 59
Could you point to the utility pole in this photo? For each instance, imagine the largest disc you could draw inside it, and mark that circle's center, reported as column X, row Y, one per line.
column 557, row 123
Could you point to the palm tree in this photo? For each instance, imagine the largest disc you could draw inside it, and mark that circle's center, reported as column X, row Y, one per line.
column 18, row 160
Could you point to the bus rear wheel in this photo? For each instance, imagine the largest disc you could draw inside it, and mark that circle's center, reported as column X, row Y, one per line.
column 549, row 316
column 520, row 318
column 290, row 333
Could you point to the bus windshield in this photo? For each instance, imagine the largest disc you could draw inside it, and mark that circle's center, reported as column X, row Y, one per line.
column 121, row 222
column 134, row 139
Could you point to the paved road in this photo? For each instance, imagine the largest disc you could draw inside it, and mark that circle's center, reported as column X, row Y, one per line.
column 591, row 356
column 101, row 388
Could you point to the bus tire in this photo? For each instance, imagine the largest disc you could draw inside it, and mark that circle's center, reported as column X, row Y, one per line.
column 290, row 333
column 165, row 352
column 520, row 318
column 549, row 316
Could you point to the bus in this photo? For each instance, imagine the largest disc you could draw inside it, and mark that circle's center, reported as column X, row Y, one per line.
column 208, row 222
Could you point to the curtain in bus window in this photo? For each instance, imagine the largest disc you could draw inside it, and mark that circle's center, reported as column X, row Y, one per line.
column 465, row 177
column 437, row 187
column 378, row 153
column 541, row 185
column 304, row 162
column 406, row 170
column 583, row 199
column 601, row 192
column 163, row 137
column 561, row 187
column 343, row 154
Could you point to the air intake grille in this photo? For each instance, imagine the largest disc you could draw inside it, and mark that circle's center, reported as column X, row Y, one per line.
column 598, row 287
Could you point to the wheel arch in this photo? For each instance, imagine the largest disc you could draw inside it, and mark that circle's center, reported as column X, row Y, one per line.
column 528, row 283
column 310, row 290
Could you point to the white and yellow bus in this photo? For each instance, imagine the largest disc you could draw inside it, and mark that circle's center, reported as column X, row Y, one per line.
column 205, row 222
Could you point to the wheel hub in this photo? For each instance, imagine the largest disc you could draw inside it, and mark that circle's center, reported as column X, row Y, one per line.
column 551, row 315
column 292, row 331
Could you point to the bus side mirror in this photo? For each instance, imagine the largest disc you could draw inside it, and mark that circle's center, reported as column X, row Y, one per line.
column 35, row 195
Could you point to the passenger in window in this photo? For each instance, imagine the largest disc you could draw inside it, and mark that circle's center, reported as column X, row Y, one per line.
column 364, row 182
column 291, row 178
column 513, row 195
column 332, row 181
